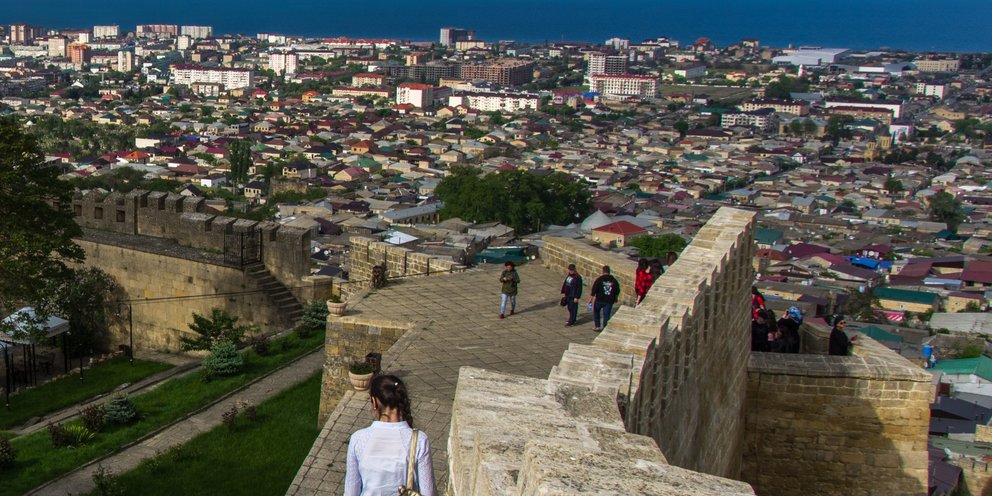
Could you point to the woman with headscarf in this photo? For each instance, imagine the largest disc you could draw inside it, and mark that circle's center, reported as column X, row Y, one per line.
column 840, row 344
column 788, row 326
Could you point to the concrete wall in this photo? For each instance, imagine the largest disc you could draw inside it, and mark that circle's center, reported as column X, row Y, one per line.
column 557, row 253
column 159, row 325
column 285, row 251
column 819, row 424
column 670, row 373
column 400, row 262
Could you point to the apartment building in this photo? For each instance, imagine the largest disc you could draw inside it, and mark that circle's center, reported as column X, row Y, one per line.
column 79, row 54
column 881, row 115
column 601, row 63
column 106, row 32
column 197, row 32
column 416, row 94
column 763, row 119
column 690, row 71
column 187, row 74
column 795, row 107
column 126, row 61
column 506, row 72
column 57, row 47
column 931, row 89
column 157, row 31
column 892, row 105
column 450, row 35
column 624, row 85
column 283, row 62
column 495, row 101
column 937, row 65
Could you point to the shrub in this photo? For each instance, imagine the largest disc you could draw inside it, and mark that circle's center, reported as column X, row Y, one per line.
column 210, row 331
column 230, row 418
column 56, row 432
column 360, row 368
column 259, row 343
column 223, row 360
column 7, row 453
column 119, row 410
column 314, row 318
column 107, row 484
column 93, row 417
column 77, row 434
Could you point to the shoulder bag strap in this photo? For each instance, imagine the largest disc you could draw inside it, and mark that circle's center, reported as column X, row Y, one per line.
column 412, row 461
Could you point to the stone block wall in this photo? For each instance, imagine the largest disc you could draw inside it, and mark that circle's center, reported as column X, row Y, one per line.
column 669, row 374
column 820, row 424
column 285, row 251
column 158, row 325
column 348, row 339
column 400, row 262
column 557, row 253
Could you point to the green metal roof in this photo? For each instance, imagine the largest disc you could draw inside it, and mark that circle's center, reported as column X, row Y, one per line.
column 980, row 366
column 767, row 236
column 879, row 334
column 905, row 295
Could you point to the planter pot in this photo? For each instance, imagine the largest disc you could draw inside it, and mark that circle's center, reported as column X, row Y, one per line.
column 336, row 309
column 360, row 381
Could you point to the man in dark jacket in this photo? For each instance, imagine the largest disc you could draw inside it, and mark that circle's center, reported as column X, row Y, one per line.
column 605, row 291
column 510, row 280
column 571, row 291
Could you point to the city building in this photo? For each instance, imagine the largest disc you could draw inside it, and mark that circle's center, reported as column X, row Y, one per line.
column 207, row 89
column 881, row 115
column 601, row 63
column 197, row 32
column 931, row 89
column 184, row 42
column 57, row 47
column 283, row 62
column 937, row 65
column 79, row 54
column 690, row 71
column 368, row 79
column 23, row 34
column 126, row 61
column 617, row 43
column 416, row 94
column 796, row 107
column 624, row 85
column 812, row 56
column 506, row 72
column 157, row 31
column 763, row 119
column 187, row 74
column 450, row 36
column 894, row 106
column 495, row 101
column 106, row 32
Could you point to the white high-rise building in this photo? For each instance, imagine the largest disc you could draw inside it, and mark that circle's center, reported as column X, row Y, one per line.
column 105, row 32
column 624, row 85
column 188, row 74
column 450, row 36
column 283, row 62
column 617, row 43
column 601, row 63
column 125, row 61
column 184, row 42
column 57, row 47
column 197, row 32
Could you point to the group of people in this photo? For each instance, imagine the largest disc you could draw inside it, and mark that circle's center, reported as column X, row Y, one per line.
column 770, row 335
column 604, row 294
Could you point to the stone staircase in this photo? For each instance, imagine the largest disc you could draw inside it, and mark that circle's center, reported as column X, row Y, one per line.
column 277, row 292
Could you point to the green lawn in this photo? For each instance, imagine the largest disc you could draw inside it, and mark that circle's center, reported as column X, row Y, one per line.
column 38, row 461
column 56, row 395
column 260, row 457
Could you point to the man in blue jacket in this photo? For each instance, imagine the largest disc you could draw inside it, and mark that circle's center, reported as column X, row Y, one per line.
column 571, row 291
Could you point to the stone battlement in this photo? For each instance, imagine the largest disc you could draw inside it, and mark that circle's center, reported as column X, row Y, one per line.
column 400, row 262
column 670, row 373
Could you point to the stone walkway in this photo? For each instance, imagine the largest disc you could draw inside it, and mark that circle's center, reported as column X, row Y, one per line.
column 81, row 481
column 457, row 324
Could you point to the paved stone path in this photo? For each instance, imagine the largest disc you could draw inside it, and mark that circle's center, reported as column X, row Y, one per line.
column 182, row 364
column 457, row 324
column 81, row 481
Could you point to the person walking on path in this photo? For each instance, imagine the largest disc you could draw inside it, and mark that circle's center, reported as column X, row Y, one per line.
column 510, row 280
column 571, row 291
column 378, row 454
column 642, row 279
column 605, row 291
column 840, row 344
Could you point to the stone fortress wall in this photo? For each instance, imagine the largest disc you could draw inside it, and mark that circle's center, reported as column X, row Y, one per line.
column 163, row 245
column 820, row 425
column 400, row 262
column 670, row 373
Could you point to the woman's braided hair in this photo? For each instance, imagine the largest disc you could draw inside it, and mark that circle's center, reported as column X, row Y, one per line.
column 392, row 393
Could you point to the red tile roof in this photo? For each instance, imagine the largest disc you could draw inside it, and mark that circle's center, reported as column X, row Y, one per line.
column 622, row 227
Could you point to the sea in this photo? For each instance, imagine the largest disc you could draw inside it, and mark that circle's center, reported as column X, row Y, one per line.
column 918, row 25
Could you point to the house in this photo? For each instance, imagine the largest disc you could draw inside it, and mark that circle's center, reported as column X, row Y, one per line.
column 351, row 174
column 213, row 181
column 617, row 233
column 255, row 190
column 906, row 300
column 299, row 170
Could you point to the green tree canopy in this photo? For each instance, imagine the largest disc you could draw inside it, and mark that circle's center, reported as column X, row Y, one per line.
column 893, row 185
column 784, row 86
column 36, row 225
column 659, row 246
column 519, row 199
column 219, row 327
column 239, row 154
column 945, row 208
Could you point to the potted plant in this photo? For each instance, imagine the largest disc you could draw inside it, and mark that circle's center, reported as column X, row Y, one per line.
column 335, row 306
column 360, row 374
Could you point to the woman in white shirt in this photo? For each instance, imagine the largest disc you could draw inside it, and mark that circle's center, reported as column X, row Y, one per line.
column 378, row 454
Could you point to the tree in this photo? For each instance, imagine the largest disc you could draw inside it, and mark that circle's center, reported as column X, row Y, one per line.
column 893, row 185
column 90, row 301
column 682, row 127
column 659, row 246
column 519, row 199
column 837, row 127
column 796, row 127
column 239, row 154
column 36, row 223
column 220, row 326
column 809, row 127
column 945, row 208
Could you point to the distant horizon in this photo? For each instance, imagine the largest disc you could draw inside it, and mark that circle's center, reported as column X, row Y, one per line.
column 874, row 24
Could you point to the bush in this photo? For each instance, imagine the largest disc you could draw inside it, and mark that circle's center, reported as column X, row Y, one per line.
column 314, row 318
column 7, row 453
column 223, row 360
column 93, row 417
column 71, row 435
column 107, row 484
column 56, row 432
column 360, row 368
column 119, row 410
column 230, row 418
column 259, row 343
